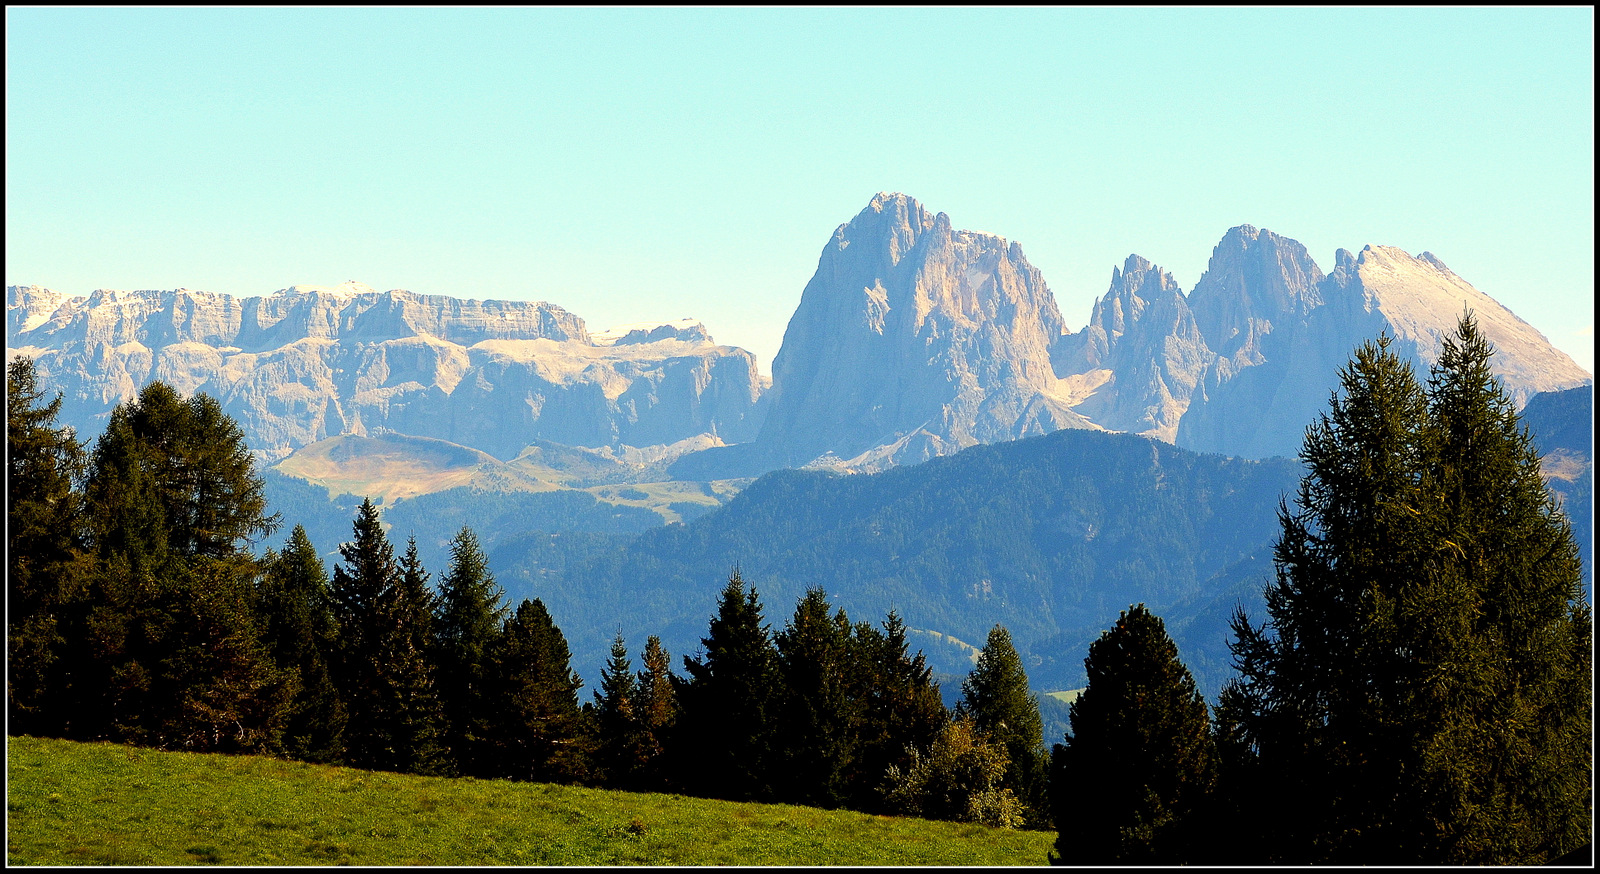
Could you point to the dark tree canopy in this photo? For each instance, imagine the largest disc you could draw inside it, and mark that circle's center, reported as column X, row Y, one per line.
column 820, row 710
column 1420, row 691
column 538, row 728
column 383, row 670
column 300, row 632
column 44, row 466
column 1131, row 783
column 471, row 614
column 729, row 704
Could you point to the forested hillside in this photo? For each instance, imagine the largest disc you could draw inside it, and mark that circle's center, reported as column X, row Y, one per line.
column 1050, row 536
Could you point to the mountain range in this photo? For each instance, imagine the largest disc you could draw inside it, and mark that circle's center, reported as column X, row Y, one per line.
column 594, row 463
column 912, row 340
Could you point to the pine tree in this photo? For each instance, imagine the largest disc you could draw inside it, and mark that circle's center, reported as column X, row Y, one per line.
column 727, row 721
column 1419, row 693
column 45, row 464
column 995, row 697
column 1132, row 782
column 300, row 632
column 539, row 729
column 472, row 611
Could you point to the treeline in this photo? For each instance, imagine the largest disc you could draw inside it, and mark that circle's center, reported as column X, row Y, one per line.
column 1419, row 692
column 140, row 614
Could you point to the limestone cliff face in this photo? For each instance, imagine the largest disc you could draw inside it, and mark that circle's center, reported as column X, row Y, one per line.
column 1261, row 408
column 1137, row 363
column 1257, row 284
column 313, row 362
column 913, row 340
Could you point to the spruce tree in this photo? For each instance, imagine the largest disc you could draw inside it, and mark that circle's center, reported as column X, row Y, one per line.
column 996, row 698
column 384, row 671
column 620, row 747
column 727, row 720
column 45, row 464
column 1418, row 694
column 1132, row 782
column 300, row 631
column 471, row 613
column 820, row 707
column 538, row 733
column 406, row 673
column 901, row 707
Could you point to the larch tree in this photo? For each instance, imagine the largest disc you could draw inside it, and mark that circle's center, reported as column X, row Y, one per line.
column 657, row 713
column 1419, row 693
column 172, row 654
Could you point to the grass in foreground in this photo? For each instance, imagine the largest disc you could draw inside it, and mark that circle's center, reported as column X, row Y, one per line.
column 103, row 804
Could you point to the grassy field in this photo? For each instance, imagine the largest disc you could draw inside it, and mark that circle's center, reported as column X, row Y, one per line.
column 102, row 804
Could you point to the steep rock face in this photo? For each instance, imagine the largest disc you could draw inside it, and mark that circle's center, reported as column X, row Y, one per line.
column 1262, row 410
column 313, row 362
column 1256, row 284
column 1141, row 355
column 914, row 340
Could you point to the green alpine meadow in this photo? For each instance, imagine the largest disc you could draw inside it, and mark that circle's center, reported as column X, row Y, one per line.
column 71, row 803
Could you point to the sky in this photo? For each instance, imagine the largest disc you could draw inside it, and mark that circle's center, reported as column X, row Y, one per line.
column 653, row 164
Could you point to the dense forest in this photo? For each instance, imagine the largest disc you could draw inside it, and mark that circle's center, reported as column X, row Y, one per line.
column 1418, row 691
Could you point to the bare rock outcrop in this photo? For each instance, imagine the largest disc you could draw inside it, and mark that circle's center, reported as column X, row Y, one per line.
column 312, row 362
column 913, row 340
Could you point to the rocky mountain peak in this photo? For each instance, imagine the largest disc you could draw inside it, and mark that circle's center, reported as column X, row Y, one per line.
column 909, row 325
column 1256, row 282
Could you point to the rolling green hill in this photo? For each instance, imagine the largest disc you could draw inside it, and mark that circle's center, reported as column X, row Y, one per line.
column 102, row 804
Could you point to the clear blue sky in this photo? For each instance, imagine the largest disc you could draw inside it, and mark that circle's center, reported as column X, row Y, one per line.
column 639, row 164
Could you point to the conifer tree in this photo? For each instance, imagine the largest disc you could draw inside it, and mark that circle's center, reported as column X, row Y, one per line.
column 538, row 730
column 172, row 653
column 383, row 671
column 300, row 631
column 406, row 673
column 359, row 587
column 657, row 714
column 45, row 464
column 1418, row 694
column 820, row 708
column 996, row 698
column 901, row 708
column 726, row 723
column 1137, row 771
column 472, row 612
column 621, row 744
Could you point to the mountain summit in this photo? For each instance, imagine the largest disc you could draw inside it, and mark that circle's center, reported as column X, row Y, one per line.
column 912, row 340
